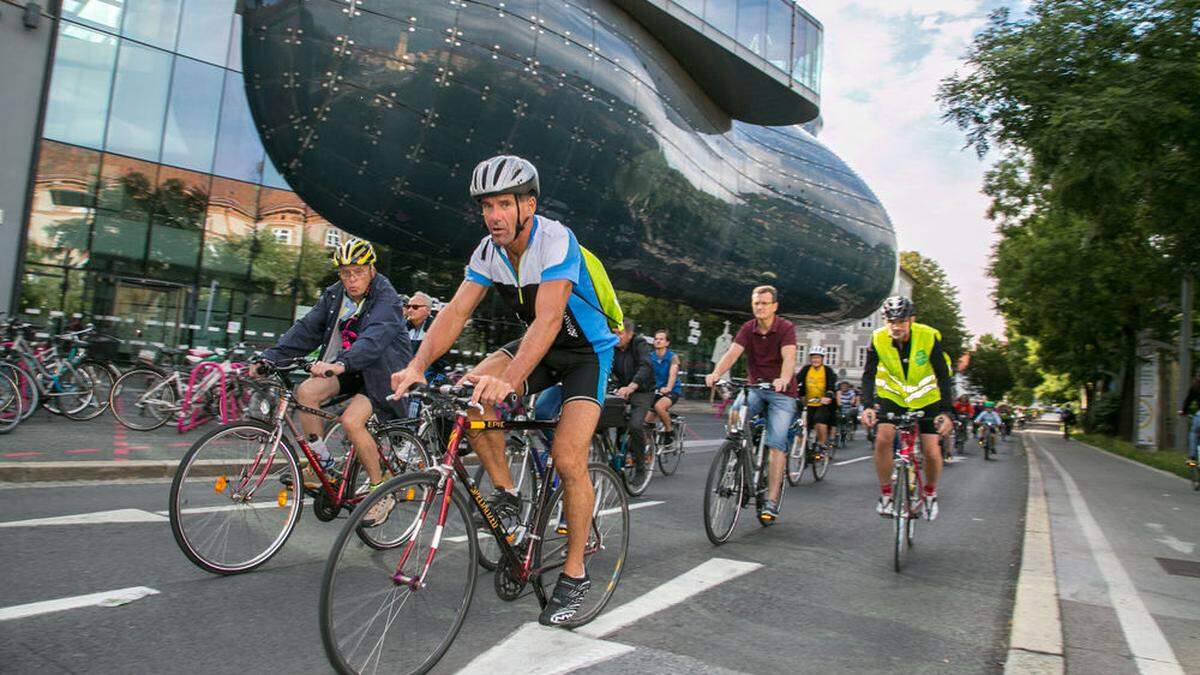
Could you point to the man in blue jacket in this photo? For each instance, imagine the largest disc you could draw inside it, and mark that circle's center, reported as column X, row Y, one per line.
column 358, row 328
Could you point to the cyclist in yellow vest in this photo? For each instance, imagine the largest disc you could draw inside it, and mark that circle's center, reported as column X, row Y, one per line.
column 906, row 370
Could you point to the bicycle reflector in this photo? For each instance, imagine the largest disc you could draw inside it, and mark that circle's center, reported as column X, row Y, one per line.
column 282, row 498
column 221, row 484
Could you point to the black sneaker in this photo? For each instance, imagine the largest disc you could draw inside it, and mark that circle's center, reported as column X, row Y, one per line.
column 504, row 505
column 565, row 601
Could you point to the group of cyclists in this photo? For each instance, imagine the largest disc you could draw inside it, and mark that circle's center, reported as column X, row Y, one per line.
column 375, row 350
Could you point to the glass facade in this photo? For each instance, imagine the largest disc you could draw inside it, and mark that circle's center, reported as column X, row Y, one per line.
column 777, row 30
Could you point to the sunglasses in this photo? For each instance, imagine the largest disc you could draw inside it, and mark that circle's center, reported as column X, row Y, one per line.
column 414, row 306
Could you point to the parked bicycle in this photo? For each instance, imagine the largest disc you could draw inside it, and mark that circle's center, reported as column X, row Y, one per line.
column 49, row 378
column 400, row 610
column 210, row 386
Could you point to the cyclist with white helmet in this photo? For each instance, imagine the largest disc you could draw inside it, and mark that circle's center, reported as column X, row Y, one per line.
column 906, row 370
column 562, row 294
column 817, row 381
column 357, row 326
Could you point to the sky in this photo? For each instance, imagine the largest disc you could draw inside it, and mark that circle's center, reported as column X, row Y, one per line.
column 883, row 62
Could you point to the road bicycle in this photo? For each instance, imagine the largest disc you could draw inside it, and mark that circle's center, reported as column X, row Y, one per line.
column 908, row 484
column 738, row 471
column 804, row 452
column 401, row 609
column 234, row 499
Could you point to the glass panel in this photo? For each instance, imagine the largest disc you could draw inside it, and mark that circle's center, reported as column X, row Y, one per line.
column 239, row 150
column 817, row 60
column 229, row 229
column 103, row 14
column 138, row 100
column 79, row 86
column 204, row 29
column 281, row 221
column 60, row 214
column 800, row 50
column 127, row 188
column 272, row 177
column 779, row 34
column 752, row 21
column 722, row 14
column 315, row 271
column 234, row 60
column 191, row 131
column 694, row 6
column 152, row 21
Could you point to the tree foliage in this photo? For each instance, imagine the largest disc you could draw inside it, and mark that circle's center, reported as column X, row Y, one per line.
column 990, row 370
column 937, row 301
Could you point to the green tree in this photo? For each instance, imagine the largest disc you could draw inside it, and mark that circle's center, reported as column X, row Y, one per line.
column 937, row 301
column 989, row 369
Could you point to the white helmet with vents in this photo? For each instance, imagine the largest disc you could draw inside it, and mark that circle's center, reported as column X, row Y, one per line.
column 504, row 174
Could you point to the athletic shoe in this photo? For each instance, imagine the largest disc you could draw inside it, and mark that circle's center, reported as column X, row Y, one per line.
column 380, row 511
column 311, row 482
column 884, row 506
column 769, row 513
column 565, row 601
column 931, row 507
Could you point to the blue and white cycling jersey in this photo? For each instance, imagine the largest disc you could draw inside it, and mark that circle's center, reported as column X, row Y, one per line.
column 553, row 254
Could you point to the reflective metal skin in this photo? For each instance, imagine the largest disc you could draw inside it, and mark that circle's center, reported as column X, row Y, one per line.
column 376, row 111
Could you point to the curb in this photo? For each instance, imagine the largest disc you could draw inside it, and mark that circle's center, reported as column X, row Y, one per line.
column 34, row 472
column 1035, row 643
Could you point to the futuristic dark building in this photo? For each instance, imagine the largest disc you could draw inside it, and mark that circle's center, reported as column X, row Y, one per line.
column 667, row 134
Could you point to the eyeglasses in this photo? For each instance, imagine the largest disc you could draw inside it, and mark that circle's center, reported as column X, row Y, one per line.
column 350, row 274
column 414, row 306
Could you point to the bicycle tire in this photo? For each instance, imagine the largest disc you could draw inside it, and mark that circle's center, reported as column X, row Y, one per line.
column 634, row 487
column 74, row 393
column 724, row 475
column 10, row 404
column 766, row 473
column 102, row 382
column 26, row 385
column 525, row 475
column 899, row 518
column 821, row 467
column 186, row 499
column 604, row 563
column 797, row 460
column 149, row 416
column 668, row 462
column 350, row 570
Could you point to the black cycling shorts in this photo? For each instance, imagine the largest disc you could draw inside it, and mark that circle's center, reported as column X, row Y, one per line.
column 820, row 414
column 925, row 424
column 350, row 384
column 583, row 373
column 673, row 395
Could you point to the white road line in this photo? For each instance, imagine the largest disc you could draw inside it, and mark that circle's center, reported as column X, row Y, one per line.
column 458, row 539
column 96, row 518
column 851, row 461
column 1149, row 647
column 710, row 442
column 228, row 507
column 548, row 651
column 115, row 598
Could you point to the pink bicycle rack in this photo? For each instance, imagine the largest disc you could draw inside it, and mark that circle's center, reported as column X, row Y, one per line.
column 191, row 412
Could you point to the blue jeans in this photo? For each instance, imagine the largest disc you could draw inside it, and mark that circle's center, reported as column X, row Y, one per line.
column 1194, row 436
column 781, row 411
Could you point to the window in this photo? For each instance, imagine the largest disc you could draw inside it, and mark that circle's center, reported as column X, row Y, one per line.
column 779, row 33
column 283, row 235
column 862, row 357
column 104, row 14
column 79, row 87
column 751, row 21
column 239, row 150
column 152, row 21
column 831, row 356
column 139, row 98
column 801, row 354
column 722, row 16
column 332, row 237
column 204, row 29
column 868, row 322
column 191, row 132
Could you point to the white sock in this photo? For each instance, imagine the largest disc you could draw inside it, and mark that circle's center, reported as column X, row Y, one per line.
column 513, row 491
column 318, row 447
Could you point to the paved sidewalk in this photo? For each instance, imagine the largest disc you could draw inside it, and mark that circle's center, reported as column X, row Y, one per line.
column 1126, row 561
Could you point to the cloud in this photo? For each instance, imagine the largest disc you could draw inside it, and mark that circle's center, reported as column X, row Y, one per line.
column 883, row 62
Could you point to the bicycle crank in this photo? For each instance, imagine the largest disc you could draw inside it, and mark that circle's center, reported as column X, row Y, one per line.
column 508, row 586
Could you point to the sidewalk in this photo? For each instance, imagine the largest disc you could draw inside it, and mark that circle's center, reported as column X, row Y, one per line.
column 1125, row 559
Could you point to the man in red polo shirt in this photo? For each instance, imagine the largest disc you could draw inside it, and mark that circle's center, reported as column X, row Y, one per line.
column 769, row 343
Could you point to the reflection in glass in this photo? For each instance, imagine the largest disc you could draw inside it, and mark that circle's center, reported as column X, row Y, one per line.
column 800, row 47
column 229, row 227
column 138, row 99
column 272, row 177
column 79, row 86
column 152, row 21
column 104, row 14
column 779, row 34
column 204, row 30
column 722, row 14
column 751, row 22
column 234, row 60
column 694, row 6
column 125, row 200
column 281, row 234
column 239, row 150
column 191, row 127
column 60, row 213
column 177, row 222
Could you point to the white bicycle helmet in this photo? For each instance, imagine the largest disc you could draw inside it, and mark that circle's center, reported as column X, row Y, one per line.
column 504, row 174
column 898, row 307
column 816, row 350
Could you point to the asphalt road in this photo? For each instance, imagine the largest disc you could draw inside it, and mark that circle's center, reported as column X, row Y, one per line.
column 824, row 599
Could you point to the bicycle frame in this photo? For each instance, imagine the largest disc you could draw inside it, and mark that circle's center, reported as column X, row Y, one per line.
column 904, row 459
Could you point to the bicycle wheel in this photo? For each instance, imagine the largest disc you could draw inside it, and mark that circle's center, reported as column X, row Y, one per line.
column 797, row 460
column 899, row 518
column 634, row 485
column 723, row 493
column 26, row 387
column 820, row 467
column 102, row 382
column 10, row 404
column 525, row 480
column 233, row 503
column 142, row 399
column 604, row 553
column 369, row 621
column 70, row 390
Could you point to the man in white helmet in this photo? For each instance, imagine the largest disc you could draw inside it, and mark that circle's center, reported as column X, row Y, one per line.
column 554, row 286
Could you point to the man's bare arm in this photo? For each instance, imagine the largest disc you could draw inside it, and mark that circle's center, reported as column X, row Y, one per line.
column 552, row 299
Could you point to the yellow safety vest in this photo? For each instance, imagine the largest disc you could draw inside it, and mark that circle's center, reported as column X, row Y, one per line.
column 919, row 388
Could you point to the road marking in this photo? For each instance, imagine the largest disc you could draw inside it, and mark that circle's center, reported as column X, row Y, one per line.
column 115, row 598
column 271, row 504
column 542, row 650
column 458, row 539
column 712, row 442
column 1149, row 647
column 96, row 518
column 851, row 461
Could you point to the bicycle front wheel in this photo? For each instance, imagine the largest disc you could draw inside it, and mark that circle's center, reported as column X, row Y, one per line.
column 372, row 622
column 723, row 493
column 820, row 464
column 635, row 485
column 70, row 390
column 233, row 501
column 10, row 404
column 900, row 518
column 102, row 382
column 604, row 552
column 142, row 399
column 670, row 456
column 797, row 460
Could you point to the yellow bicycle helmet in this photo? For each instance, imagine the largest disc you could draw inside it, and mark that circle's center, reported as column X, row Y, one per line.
column 354, row 252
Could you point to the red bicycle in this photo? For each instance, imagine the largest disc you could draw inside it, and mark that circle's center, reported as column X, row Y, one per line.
column 907, row 483
column 400, row 611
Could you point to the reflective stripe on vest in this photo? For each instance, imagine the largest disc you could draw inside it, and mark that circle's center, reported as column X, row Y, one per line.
column 919, row 388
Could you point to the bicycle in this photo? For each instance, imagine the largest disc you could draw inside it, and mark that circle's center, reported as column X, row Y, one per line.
column 669, row 451
column 147, row 397
column 60, row 387
column 241, row 479
column 908, row 483
column 610, row 444
column 10, row 403
column 738, row 470
column 804, row 452
column 378, row 607
column 988, row 440
column 846, row 419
